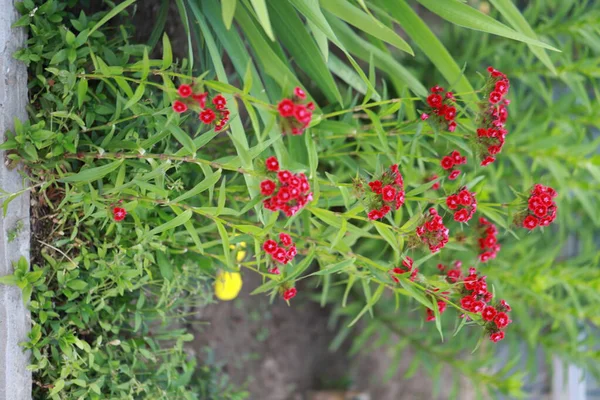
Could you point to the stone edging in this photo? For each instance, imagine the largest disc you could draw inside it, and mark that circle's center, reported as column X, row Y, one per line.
column 15, row 321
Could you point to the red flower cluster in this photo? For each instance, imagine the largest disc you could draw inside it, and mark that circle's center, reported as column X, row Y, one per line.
column 388, row 193
column 541, row 208
column 476, row 298
column 217, row 111
column 295, row 113
column 433, row 233
column 287, row 192
column 488, row 242
column 450, row 161
column 119, row 214
column 464, row 203
column 407, row 266
column 491, row 133
column 441, row 106
column 282, row 252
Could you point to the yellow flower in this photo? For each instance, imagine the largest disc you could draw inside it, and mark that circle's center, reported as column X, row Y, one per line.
column 241, row 254
column 228, row 285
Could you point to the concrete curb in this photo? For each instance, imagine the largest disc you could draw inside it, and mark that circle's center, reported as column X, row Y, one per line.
column 15, row 321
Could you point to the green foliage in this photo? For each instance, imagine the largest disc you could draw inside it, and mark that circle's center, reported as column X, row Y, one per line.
column 102, row 133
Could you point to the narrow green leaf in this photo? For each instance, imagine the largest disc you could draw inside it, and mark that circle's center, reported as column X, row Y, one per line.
column 92, row 174
column 172, row 224
column 82, row 87
column 333, row 268
column 260, row 7
column 182, row 137
column 167, row 52
column 207, row 182
column 466, row 16
column 77, row 284
column 228, row 12
column 514, row 17
column 354, row 16
column 369, row 305
column 111, row 14
column 224, row 242
column 139, row 92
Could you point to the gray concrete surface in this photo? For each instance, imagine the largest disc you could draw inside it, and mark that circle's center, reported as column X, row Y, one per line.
column 15, row 322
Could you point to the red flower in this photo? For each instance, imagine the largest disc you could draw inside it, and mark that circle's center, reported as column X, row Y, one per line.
column 219, row 101
column 201, row 99
column 119, row 214
column 376, row 186
column 501, row 320
column 502, row 86
column 302, row 114
column 530, row 222
column 489, row 313
column 447, row 162
column 467, row 302
column 452, row 126
column 298, row 92
column 388, row 193
column 450, row 113
column 408, row 262
column 185, row 90
column 505, row 305
column 285, row 239
column 267, row 187
column 452, row 202
column 495, row 97
column 477, row 306
column 286, row 108
column 465, row 198
column 207, row 116
column 179, row 107
column 280, row 255
column 289, row 294
column 424, row 116
column 540, row 211
column 487, row 161
column 272, row 163
column 434, row 100
column 374, row 214
column 270, row 246
column 291, row 253
column 457, row 158
column 497, row 336
column 454, row 174
column 461, row 215
column 284, row 176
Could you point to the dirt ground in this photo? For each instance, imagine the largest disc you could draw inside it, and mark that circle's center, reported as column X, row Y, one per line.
column 279, row 352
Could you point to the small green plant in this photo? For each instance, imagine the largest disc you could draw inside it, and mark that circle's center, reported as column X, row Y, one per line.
column 15, row 232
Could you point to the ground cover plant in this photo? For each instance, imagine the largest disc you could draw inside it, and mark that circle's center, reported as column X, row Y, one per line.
column 298, row 140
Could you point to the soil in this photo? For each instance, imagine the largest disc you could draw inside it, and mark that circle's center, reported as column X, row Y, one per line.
column 280, row 352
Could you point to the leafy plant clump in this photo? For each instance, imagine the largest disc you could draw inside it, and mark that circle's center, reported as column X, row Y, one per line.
column 404, row 204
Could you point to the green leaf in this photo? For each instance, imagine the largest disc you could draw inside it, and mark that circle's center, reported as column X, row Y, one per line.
column 438, row 317
column 354, row 16
column 82, row 87
column 429, row 44
column 182, row 137
column 139, row 92
column 514, row 17
column 225, row 243
column 172, row 224
column 369, row 304
column 260, row 7
column 165, row 265
column 466, row 16
column 10, row 280
column 77, row 284
column 333, row 268
column 293, row 34
column 112, row 13
column 58, row 386
column 92, row 174
column 387, row 234
column 228, row 12
column 167, row 52
column 207, row 182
